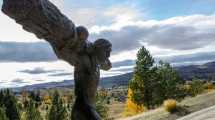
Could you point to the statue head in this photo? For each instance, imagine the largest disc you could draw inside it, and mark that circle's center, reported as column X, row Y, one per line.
column 102, row 49
column 82, row 33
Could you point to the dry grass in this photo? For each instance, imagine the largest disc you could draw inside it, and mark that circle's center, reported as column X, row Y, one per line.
column 188, row 105
column 116, row 110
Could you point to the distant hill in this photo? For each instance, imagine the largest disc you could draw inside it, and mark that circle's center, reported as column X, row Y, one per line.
column 107, row 82
column 205, row 72
column 120, row 80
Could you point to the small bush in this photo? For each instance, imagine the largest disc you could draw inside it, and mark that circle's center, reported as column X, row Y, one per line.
column 170, row 105
column 187, row 90
column 196, row 87
column 101, row 105
column 208, row 86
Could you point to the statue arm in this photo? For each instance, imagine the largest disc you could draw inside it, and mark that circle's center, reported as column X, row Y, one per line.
column 43, row 19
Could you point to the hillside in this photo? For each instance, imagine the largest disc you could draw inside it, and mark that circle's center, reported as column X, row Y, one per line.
column 189, row 105
column 205, row 71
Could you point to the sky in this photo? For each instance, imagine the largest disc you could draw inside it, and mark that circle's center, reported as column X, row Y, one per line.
column 180, row 32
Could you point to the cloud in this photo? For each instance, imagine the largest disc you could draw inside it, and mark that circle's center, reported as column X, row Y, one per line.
column 178, row 33
column 123, row 63
column 200, row 57
column 26, row 52
column 61, row 74
column 39, row 70
column 18, row 81
column 98, row 15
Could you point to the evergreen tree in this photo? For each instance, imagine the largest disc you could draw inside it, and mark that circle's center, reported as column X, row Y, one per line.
column 35, row 96
column 32, row 112
column 143, row 78
column 1, row 98
column 11, row 108
column 3, row 114
column 168, row 83
column 58, row 111
column 151, row 84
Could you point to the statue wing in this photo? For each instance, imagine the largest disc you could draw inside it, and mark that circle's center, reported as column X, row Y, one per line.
column 42, row 18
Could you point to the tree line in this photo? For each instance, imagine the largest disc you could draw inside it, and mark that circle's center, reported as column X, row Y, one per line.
column 31, row 106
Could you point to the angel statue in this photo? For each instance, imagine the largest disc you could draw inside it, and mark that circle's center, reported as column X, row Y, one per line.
column 70, row 43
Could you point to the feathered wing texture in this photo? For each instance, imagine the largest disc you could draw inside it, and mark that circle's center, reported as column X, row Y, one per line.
column 43, row 19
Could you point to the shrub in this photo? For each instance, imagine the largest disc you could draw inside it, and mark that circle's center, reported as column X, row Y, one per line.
column 132, row 108
column 208, row 86
column 170, row 105
column 101, row 105
column 187, row 89
column 32, row 112
column 3, row 114
column 58, row 110
column 196, row 87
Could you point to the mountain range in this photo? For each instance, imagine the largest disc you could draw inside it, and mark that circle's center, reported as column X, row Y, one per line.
column 205, row 72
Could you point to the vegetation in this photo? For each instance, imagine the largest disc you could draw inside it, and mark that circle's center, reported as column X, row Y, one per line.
column 58, row 110
column 143, row 80
column 131, row 107
column 9, row 102
column 196, row 87
column 170, row 105
column 32, row 112
column 168, row 84
column 101, row 106
column 152, row 84
column 3, row 114
column 50, row 105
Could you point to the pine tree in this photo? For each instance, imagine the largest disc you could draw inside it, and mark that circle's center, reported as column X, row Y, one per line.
column 32, row 112
column 143, row 78
column 169, row 83
column 58, row 111
column 1, row 98
column 11, row 108
column 3, row 114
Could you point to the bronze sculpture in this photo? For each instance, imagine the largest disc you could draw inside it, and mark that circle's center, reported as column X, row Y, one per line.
column 69, row 43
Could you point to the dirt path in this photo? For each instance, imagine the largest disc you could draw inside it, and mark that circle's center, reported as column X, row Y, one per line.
column 205, row 114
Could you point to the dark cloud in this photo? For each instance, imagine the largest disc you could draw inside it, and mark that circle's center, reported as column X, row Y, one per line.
column 61, row 74
column 191, row 58
column 180, row 37
column 26, row 52
column 180, row 33
column 123, row 63
column 39, row 71
column 124, row 40
column 199, row 57
column 18, row 81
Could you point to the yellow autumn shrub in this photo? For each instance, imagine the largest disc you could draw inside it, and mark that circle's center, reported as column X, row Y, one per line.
column 209, row 86
column 47, row 99
column 170, row 105
column 132, row 108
